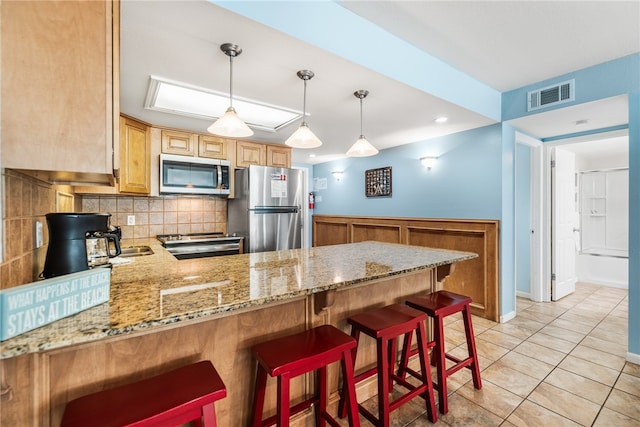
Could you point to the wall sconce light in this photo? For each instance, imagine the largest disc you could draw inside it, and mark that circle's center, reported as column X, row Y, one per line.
column 428, row 162
column 337, row 175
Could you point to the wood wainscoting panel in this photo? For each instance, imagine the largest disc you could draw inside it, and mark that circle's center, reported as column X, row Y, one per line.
column 466, row 276
column 478, row 278
column 327, row 233
column 389, row 233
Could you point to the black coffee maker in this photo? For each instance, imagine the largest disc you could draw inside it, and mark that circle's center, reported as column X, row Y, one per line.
column 68, row 232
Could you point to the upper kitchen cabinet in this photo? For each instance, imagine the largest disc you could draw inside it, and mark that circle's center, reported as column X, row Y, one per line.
column 135, row 153
column 250, row 153
column 278, row 156
column 187, row 143
column 254, row 153
column 135, row 162
column 60, row 62
column 177, row 142
column 214, row 147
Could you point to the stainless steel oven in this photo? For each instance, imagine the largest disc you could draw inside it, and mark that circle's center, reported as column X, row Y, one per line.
column 200, row 245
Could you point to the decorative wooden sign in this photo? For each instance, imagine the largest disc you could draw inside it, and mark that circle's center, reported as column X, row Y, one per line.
column 36, row 304
column 377, row 182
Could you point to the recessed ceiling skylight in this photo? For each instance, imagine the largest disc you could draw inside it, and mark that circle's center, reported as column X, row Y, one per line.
column 192, row 101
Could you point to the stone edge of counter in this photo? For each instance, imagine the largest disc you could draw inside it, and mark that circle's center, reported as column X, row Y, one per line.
column 39, row 340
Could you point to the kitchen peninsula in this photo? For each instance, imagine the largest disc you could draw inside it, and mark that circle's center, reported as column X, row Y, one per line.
column 164, row 313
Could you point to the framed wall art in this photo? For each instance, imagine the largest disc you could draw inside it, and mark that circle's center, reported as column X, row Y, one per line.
column 377, row 182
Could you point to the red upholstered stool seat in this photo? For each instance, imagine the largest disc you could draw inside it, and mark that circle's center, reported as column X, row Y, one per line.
column 386, row 325
column 439, row 305
column 294, row 355
column 170, row 399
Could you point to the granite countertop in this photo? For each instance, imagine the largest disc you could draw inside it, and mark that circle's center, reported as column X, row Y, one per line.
column 158, row 289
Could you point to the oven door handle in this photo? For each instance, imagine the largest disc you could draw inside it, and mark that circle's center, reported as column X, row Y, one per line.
column 194, row 249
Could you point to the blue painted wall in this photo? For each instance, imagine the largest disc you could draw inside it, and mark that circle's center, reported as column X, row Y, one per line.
column 634, row 223
column 617, row 77
column 464, row 183
column 507, row 224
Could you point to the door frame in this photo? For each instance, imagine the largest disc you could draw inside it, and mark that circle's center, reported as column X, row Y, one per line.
column 539, row 240
column 546, row 197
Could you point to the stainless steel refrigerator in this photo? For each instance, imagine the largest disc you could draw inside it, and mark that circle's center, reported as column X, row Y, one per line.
column 267, row 208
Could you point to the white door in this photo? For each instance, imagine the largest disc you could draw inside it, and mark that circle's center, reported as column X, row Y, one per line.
column 563, row 219
column 539, row 291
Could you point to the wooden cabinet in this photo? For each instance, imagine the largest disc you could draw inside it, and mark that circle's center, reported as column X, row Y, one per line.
column 60, row 64
column 135, row 157
column 278, row 156
column 135, row 161
column 254, row 153
column 250, row 153
column 176, row 142
column 213, row 147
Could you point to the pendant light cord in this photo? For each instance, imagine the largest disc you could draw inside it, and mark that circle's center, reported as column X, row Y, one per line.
column 361, row 134
column 304, row 103
column 231, row 81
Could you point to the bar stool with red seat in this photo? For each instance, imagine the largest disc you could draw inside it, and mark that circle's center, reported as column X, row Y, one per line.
column 294, row 355
column 386, row 325
column 439, row 305
column 173, row 398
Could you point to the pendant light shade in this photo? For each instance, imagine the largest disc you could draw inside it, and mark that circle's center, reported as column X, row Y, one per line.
column 303, row 137
column 230, row 125
column 362, row 147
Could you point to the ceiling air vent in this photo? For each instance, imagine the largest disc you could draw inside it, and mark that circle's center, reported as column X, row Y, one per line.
column 551, row 95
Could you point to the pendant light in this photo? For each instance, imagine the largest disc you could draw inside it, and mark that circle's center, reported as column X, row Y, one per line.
column 230, row 125
column 362, row 147
column 303, row 137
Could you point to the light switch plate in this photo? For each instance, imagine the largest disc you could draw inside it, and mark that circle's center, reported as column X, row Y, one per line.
column 131, row 220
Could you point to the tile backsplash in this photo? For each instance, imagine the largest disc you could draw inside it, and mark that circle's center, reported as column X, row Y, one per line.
column 26, row 199
column 161, row 215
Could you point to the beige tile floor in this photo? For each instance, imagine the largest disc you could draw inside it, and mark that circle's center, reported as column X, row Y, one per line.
column 555, row 364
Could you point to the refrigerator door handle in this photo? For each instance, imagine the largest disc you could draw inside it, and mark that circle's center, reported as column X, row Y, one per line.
column 274, row 209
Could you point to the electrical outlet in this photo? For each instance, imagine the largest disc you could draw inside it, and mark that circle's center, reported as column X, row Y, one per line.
column 131, row 220
column 39, row 238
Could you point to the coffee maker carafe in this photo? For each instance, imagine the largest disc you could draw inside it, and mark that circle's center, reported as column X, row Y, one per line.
column 72, row 236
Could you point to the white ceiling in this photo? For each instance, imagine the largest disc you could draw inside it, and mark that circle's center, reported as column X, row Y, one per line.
column 596, row 150
column 502, row 44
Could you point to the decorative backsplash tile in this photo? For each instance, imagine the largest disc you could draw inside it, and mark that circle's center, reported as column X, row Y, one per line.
column 26, row 200
column 161, row 215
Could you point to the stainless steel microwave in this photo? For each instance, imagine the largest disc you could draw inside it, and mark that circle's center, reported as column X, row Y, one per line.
column 193, row 175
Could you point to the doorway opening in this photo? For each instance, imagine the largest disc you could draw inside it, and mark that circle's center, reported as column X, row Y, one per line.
column 596, row 152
